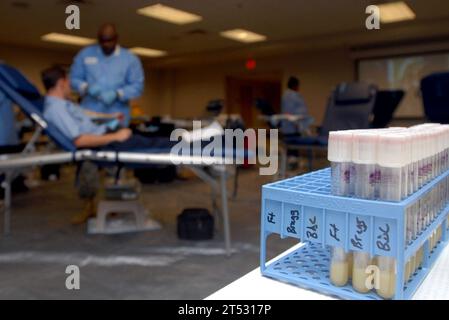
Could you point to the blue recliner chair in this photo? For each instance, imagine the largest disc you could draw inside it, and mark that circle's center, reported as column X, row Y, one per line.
column 349, row 107
column 435, row 96
column 387, row 101
column 31, row 102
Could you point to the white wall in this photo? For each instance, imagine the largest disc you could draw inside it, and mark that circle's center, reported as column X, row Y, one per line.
column 190, row 88
column 185, row 91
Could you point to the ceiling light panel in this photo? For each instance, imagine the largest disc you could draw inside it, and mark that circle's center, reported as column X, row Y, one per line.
column 395, row 12
column 169, row 14
column 67, row 39
column 148, row 52
column 242, row 35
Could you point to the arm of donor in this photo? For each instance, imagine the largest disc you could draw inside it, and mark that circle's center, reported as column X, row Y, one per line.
column 206, row 133
column 92, row 141
column 93, row 114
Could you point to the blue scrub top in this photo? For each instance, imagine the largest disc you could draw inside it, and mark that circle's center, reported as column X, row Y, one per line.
column 70, row 118
column 292, row 103
column 8, row 130
column 121, row 71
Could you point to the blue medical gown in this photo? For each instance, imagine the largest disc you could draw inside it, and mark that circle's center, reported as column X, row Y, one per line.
column 292, row 103
column 8, row 130
column 121, row 71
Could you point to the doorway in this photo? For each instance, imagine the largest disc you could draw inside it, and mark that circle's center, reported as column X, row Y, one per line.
column 242, row 92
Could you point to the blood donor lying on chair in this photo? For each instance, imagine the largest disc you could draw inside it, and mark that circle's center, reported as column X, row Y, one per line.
column 70, row 119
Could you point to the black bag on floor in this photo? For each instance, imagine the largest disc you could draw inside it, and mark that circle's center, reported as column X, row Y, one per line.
column 153, row 174
column 195, row 224
column 50, row 172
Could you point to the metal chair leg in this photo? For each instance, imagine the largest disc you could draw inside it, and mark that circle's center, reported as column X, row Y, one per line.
column 236, row 182
column 7, row 204
column 225, row 212
column 219, row 185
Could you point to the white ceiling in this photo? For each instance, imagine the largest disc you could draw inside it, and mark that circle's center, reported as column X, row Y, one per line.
column 284, row 22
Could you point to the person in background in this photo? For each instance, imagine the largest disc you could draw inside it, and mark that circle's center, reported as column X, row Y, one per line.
column 78, row 126
column 293, row 104
column 106, row 75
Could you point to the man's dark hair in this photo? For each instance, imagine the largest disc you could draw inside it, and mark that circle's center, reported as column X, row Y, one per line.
column 293, row 83
column 51, row 75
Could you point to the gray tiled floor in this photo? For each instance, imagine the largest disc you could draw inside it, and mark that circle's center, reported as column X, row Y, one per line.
column 149, row 265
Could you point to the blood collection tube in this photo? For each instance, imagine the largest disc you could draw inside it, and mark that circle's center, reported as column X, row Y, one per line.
column 364, row 157
column 393, row 155
column 340, row 155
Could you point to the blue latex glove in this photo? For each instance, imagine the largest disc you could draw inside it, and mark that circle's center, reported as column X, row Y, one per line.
column 94, row 90
column 108, row 97
column 113, row 125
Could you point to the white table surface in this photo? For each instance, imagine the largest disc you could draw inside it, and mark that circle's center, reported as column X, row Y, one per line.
column 253, row 286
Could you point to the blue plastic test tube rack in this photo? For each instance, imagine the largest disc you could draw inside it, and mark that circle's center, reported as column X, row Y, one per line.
column 304, row 208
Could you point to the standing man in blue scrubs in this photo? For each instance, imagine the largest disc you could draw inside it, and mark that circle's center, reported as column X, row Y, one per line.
column 107, row 76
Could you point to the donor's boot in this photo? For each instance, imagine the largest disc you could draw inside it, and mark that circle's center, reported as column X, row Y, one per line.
column 89, row 211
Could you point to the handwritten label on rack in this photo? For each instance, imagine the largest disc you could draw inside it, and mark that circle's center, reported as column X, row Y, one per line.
column 313, row 224
column 312, row 228
column 294, row 216
column 335, row 227
column 383, row 239
column 384, row 236
column 333, row 232
column 272, row 216
column 292, row 220
column 359, row 233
